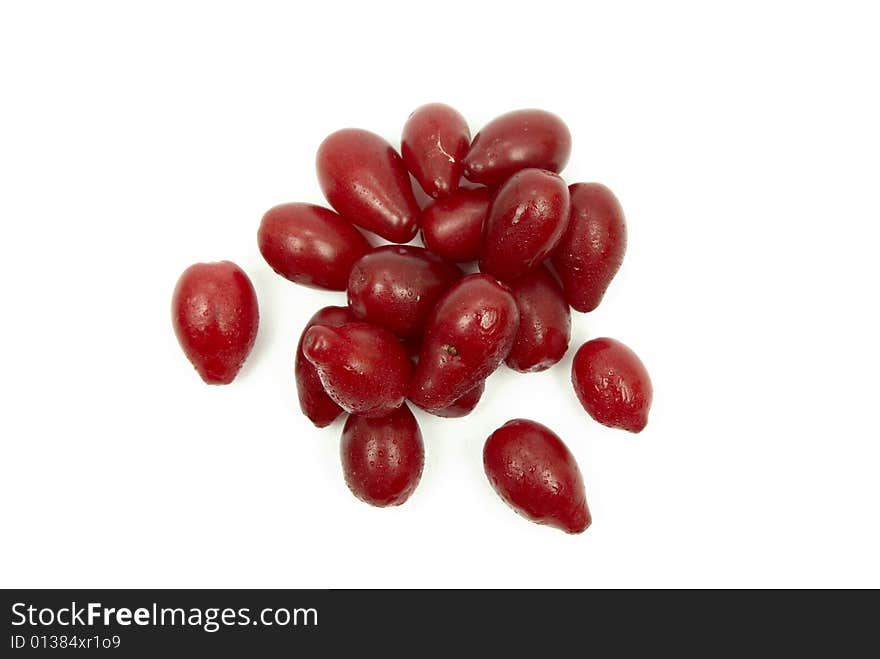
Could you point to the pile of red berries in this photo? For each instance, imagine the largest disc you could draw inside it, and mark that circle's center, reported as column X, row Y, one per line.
column 416, row 327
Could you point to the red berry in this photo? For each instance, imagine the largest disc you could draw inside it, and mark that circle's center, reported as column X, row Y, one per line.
column 526, row 221
column 310, row 245
column 396, row 287
column 514, row 141
column 453, row 227
column 365, row 180
column 215, row 316
column 313, row 400
column 468, row 335
column 435, row 140
column 363, row 368
column 544, row 322
column 612, row 384
column 592, row 247
column 382, row 459
column 464, row 405
column 535, row 473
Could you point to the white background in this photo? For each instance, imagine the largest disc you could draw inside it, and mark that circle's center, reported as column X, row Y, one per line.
column 742, row 142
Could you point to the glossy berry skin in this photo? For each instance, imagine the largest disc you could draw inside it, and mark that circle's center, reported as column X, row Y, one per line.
column 434, row 142
column 464, row 405
column 215, row 316
column 452, row 227
column 365, row 180
column 468, row 335
column 612, row 384
column 363, row 368
column 526, row 221
column 396, row 287
column 515, row 141
column 544, row 322
column 310, row 245
column 313, row 400
column 382, row 459
column 536, row 475
column 592, row 247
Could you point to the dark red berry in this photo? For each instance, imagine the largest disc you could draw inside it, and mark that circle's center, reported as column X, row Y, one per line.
column 215, row 316
column 365, row 180
column 612, row 384
column 310, row 245
column 544, row 322
column 515, row 141
column 535, row 473
column 453, row 227
column 396, row 287
column 313, row 400
column 592, row 247
column 363, row 368
column 435, row 140
column 382, row 459
column 468, row 335
column 526, row 221
column 464, row 405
